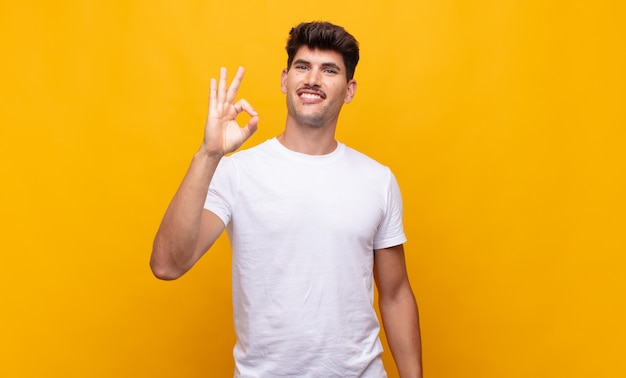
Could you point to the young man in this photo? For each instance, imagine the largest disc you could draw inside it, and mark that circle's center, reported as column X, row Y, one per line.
column 311, row 223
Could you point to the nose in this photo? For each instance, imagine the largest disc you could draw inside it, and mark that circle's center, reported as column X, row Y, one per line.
column 313, row 78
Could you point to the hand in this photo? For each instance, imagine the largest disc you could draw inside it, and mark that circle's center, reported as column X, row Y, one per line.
column 222, row 133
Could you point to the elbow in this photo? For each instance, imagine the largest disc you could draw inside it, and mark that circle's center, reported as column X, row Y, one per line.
column 402, row 295
column 163, row 270
column 163, row 273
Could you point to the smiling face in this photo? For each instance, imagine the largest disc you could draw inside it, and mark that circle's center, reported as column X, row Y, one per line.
column 316, row 87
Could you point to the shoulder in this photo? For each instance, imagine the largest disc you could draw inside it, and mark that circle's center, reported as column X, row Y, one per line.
column 362, row 161
column 252, row 152
column 246, row 157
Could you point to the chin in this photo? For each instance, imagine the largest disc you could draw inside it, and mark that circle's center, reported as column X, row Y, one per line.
column 311, row 121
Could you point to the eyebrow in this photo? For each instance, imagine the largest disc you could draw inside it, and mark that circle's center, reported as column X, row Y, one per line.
column 328, row 64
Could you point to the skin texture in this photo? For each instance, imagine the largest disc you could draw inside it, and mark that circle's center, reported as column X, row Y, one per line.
column 398, row 310
column 311, row 122
column 316, row 88
column 187, row 231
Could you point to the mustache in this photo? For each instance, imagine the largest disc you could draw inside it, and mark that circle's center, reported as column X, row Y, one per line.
column 311, row 89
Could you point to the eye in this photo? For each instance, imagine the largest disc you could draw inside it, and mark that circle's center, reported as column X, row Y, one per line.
column 330, row 71
column 301, row 67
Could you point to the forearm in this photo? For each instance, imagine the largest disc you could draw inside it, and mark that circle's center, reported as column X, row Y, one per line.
column 174, row 249
column 401, row 323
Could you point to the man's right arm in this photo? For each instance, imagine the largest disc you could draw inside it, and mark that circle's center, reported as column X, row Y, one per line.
column 187, row 230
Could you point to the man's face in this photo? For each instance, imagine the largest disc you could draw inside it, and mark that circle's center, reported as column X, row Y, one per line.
column 316, row 87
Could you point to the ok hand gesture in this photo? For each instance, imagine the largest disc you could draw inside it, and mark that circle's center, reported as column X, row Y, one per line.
column 222, row 133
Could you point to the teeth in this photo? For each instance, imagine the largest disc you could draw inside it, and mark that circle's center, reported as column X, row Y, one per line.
column 310, row 95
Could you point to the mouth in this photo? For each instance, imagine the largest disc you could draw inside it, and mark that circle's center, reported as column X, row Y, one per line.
column 310, row 94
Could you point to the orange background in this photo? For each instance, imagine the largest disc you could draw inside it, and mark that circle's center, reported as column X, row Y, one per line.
column 503, row 121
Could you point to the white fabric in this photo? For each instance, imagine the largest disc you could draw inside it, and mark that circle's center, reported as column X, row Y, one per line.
column 303, row 229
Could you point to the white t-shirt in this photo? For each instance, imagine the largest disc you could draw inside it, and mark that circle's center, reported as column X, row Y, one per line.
column 303, row 229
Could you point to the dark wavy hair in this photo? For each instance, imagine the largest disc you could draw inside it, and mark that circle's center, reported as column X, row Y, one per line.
column 324, row 36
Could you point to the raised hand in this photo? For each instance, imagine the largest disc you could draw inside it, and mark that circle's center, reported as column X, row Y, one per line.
column 222, row 132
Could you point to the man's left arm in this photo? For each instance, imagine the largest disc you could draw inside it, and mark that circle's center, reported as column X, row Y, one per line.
column 398, row 309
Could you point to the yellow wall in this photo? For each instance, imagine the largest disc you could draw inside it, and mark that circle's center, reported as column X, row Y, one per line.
column 503, row 120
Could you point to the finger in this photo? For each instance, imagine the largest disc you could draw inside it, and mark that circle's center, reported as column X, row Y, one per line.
column 212, row 95
column 244, row 106
column 221, row 88
column 234, row 86
column 250, row 127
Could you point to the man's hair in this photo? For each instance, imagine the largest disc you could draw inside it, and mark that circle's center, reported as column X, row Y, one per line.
column 324, row 36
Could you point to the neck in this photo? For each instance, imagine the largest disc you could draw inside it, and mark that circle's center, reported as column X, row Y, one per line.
column 308, row 140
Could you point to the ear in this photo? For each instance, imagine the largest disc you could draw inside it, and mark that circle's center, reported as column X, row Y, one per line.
column 351, row 91
column 283, row 81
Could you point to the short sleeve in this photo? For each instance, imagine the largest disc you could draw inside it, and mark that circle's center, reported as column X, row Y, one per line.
column 391, row 229
column 221, row 193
